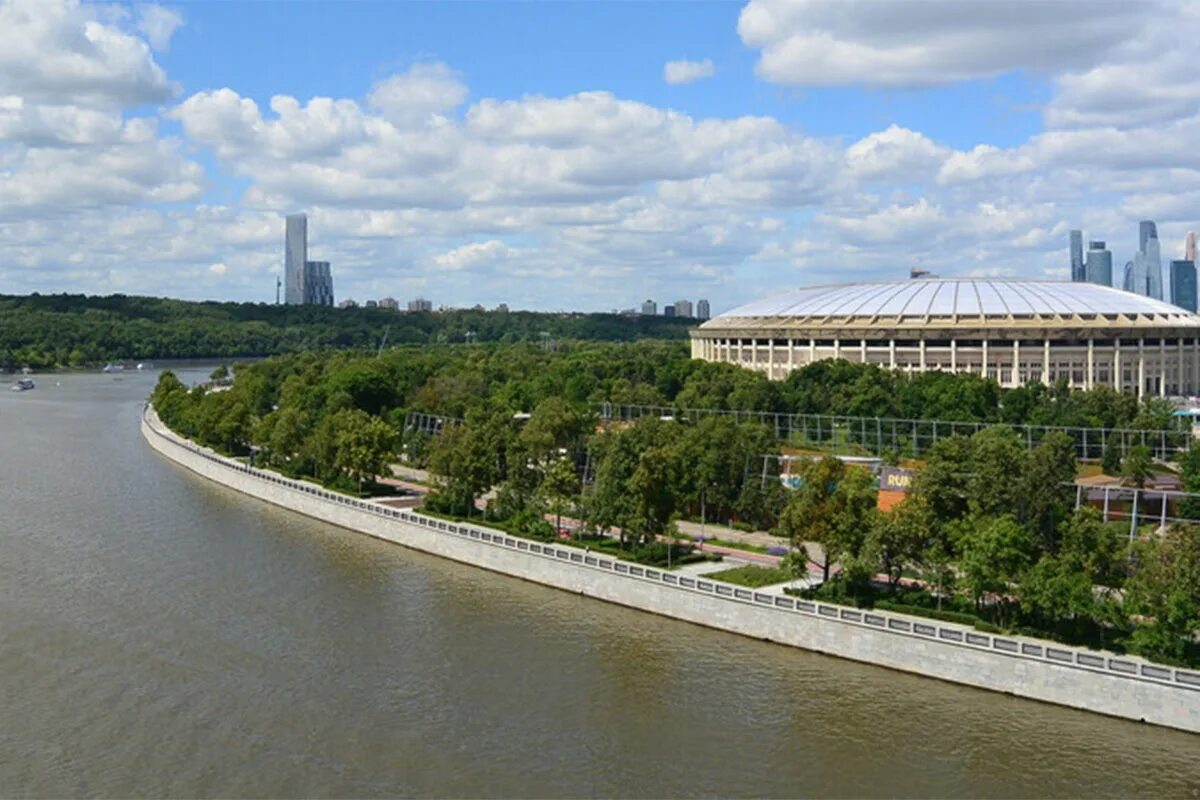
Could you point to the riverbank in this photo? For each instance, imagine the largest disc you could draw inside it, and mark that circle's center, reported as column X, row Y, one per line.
column 1102, row 682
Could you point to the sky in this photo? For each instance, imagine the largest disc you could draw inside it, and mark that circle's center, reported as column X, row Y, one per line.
column 586, row 156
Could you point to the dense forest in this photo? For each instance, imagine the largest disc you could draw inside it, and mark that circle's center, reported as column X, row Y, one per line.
column 42, row 331
column 990, row 531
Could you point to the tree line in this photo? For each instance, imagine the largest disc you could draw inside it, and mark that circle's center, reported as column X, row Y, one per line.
column 62, row 330
column 990, row 530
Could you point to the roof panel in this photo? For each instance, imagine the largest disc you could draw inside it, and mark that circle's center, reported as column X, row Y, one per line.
column 991, row 297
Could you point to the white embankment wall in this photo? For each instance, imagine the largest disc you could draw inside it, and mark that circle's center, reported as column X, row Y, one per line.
column 1107, row 683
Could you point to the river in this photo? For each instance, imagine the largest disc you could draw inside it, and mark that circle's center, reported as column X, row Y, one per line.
column 160, row 635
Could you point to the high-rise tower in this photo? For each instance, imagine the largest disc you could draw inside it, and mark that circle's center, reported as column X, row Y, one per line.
column 1147, row 264
column 1189, row 247
column 1099, row 264
column 1183, row 284
column 295, row 255
column 1078, row 269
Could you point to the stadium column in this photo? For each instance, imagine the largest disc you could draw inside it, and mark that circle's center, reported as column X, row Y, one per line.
column 862, row 350
column 1091, row 364
column 1141, row 371
column 770, row 358
column 812, row 351
column 983, row 366
column 837, row 349
column 1016, row 369
column 953, row 355
column 1046, row 361
column 1117, row 378
column 922, row 362
column 1162, row 367
column 791, row 355
column 1179, row 389
column 891, row 353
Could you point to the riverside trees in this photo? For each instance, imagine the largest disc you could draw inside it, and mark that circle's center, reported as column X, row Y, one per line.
column 517, row 425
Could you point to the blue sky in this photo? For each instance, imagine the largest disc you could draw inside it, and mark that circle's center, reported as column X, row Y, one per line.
column 537, row 154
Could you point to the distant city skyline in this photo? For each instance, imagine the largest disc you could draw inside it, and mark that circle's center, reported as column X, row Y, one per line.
column 1144, row 273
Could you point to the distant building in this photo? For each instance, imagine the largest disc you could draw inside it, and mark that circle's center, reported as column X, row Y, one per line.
column 295, row 256
column 1098, row 268
column 1189, row 247
column 668, row 311
column 420, row 304
column 371, row 304
column 683, row 308
column 1078, row 267
column 649, row 308
column 702, row 311
column 389, row 303
column 502, row 308
column 1183, row 284
column 318, row 284
column 917, row 273
column 1147, row 264
column 347, row 303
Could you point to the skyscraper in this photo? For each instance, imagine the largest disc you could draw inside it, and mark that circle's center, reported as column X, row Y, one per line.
column 702, row 311
column 1189, row 247
column 318, row 283
column 1147, row 264
column 1078, row 269
column 1183, row 284
column 649, row 308
column 1099, row 264
column 683, row 308
column 295, row 255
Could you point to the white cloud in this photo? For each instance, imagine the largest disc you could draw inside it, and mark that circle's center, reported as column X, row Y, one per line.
column 473, row 255
column 888, row 44
column 426, row 88
column 158, row 24
column 685, row 71
column 218, row 269
column 895, row 154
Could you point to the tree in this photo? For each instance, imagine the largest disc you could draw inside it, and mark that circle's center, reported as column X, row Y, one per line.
column 1110, row 459
column 1189, row 472
column 943, row 481
column 558, row 489
column 900, row 537
column 1166, row 588
column 1137, row 465
column 998, row 460
column 220, row 373
column 995, row 552
column 366, row 445
column 653, row 504
column 1049, row 488
column 834, row 508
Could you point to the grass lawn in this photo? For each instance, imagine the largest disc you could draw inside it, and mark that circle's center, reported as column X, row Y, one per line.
column 751, row 576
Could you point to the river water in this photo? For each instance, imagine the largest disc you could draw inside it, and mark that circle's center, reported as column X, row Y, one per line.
column 162, row 636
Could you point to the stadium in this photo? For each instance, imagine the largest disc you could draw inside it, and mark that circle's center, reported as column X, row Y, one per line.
column 1013, row 331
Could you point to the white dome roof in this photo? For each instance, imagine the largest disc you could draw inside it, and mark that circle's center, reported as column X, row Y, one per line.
column 954, row 300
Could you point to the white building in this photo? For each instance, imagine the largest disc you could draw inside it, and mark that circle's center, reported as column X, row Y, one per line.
column 1013, row 331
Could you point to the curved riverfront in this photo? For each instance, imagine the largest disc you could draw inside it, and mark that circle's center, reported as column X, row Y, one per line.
column 161, row 635
column 1103, row 682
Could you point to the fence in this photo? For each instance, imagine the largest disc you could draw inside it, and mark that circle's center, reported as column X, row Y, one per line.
column 878, row 436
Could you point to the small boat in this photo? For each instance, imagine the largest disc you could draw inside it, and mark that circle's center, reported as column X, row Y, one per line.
column 23, row 385
column 113, row 368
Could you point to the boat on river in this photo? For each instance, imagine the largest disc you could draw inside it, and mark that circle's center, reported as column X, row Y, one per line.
column 23, row 385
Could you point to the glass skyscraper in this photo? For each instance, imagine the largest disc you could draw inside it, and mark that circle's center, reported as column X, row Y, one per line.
column 1183, row 284
column 318, row 283
column 1078, row 268
column 1099, row 264
column 295, row 256
column 1147, row 264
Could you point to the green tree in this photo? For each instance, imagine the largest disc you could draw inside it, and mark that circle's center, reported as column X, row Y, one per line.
column 559, row 489
column 1189, row 472
column 366, row 445
column 899, row 537
column 1110, row 459
column 1166, row 588
column 1049, row 489
column 1137, row 465
column 995, row 553
column 834, row 508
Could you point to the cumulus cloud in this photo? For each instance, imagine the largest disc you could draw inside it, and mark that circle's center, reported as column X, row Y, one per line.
column 427, row 88
column 473, row 255
column 685, row 71
column 158, row 24
column 887, row 44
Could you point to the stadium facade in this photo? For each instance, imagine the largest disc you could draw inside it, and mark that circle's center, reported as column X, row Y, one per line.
column 1013, row 331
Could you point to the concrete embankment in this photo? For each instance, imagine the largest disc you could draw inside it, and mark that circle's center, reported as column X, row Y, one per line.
column 1107, row 683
